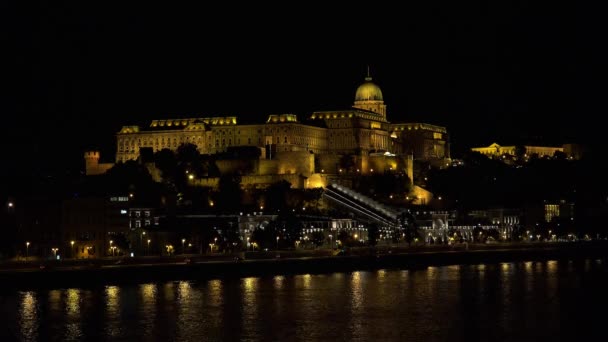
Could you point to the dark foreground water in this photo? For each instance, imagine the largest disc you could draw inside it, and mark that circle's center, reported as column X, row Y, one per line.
column 555, row 300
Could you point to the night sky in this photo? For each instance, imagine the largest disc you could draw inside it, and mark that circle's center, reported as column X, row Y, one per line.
column 508, row 72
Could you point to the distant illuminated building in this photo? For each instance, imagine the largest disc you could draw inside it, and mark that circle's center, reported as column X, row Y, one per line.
column 571, row 151
column 291, row 147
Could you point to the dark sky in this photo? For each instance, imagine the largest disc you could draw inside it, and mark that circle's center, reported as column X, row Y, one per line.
column 498, row 71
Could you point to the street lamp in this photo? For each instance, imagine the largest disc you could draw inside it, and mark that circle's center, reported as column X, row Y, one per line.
column 149, row 246
column 277, row 243
column 54, row 249
column 27, row 249
column 111, row 249
column 72, row 248
column 183, row 241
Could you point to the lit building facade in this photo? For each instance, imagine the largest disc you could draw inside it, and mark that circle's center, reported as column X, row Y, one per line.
column 572, row 151
column 362, row 131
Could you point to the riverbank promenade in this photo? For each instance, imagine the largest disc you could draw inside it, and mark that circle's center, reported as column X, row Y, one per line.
column 86, row 272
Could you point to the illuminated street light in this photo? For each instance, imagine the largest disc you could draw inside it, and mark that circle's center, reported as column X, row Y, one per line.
column 72, row 248
column 277, row 243
column 27, row 249
column 149, row 246
column 54, row 249
column 183, row 241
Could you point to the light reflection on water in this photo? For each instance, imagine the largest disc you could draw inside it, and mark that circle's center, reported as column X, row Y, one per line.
column 512, row 301
column 28, row 316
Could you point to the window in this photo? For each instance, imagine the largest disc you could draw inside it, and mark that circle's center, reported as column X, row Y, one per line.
column 147, row 223
column 138, row 224
column 147, row 213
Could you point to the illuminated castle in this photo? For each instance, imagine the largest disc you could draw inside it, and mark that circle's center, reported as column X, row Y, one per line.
column 310, row 149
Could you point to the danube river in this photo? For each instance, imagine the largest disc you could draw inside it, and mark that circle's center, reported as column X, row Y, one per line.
column 506, row 301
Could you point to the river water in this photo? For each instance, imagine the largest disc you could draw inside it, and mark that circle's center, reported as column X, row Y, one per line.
column 523, row 301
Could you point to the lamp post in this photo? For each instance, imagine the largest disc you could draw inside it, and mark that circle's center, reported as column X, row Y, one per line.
column 27, row 249
column 72, row 248
column 111, row 249
column 277, row 243
column 54, row 249
column 215, row 244
column 183, row 241
column 149, row 246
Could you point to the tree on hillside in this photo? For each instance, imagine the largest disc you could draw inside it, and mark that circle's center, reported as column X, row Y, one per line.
column 276, row 195
column 189, row 159
column 520, row 153
column 166, row 161
column 229, row 196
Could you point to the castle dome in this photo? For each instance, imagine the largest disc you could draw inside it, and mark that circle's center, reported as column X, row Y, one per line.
column 368, row 91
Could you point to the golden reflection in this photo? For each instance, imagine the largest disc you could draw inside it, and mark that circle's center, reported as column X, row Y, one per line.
column 481, row 269
column 183, row 290
column 381, row 274
column 506, row 272
column 215, row 292
column 148, row 309
column 113, row 301
column 278, row 282
column 249, row 291
column 73, row 312
column 149, row 292
column 552, row 266
column 73, row 302
column 306, row 280
column 251, row 284
column 528, row 266
column 431, row 272
column 357, row 290
column 405, row 274
column 29, row 315
column 454, row 267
